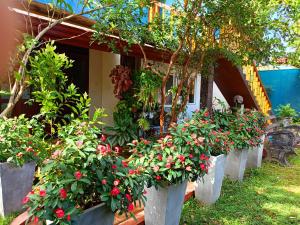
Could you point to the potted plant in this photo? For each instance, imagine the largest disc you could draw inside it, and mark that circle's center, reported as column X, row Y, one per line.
column 169, row 163
column 208, row 188
column 257, row 132
column 20, row 145
column 286, row 113
column 85, row 181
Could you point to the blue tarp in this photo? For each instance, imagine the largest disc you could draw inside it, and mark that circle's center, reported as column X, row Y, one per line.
column 283, row 87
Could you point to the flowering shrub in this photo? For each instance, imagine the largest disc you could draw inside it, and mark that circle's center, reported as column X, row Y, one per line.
column 180, row 155
column 81, row 173
column 21, row 140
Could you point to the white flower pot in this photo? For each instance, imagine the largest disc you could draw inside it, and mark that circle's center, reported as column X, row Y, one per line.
column 15, row 183
column 208, row 188
column 255, row 155
column 236, row 164
column 164, row 205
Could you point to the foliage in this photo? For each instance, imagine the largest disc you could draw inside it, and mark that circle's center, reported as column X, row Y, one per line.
column 81, row 173
column 180, row 155
column 121, row 78
column 269, row 195
column 124, row 129
column 147, row 86
column 21, row 140
column 285, row 111
column 7, row 219
column 59, row 100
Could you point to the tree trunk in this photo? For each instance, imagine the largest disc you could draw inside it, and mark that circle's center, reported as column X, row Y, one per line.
column 206, row 93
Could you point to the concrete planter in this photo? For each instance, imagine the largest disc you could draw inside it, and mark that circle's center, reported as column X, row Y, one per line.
column 164, row 205
column 97, row 215
column 208, row 188
column 15, row 183
column 255, row 155
column 236, row 164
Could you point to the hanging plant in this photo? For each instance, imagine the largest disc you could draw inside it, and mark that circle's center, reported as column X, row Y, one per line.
column 120, row 77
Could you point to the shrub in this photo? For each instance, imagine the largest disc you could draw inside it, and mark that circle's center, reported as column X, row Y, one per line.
column 81, row 173
column 284, row 111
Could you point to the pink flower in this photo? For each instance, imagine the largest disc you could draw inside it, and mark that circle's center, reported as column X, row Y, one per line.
column 102, row 149
column 188, row 168
column 155, row 168
column 103, row 138
column 116, row 182
column 145, row 192
column 42, row 193
column 191, row 156
column 128, row 197
column 29, row 149
column 78, row 175
column 68, row 218
column 79, row 143
column 25, row 200
column 168, row 165
column 183, row 129
column 60, row 213
column 36, row 219
column 169, row 144
column 135, row 142
column 117, row 149
column 63, row 193
column 115, row 191
column 104, row 182
column 194, row 136
column 130, row 207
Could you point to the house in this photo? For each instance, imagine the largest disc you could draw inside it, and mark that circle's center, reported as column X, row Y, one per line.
column 94, row 62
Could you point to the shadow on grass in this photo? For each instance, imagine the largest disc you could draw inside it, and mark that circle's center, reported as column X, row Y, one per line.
column 262, row 199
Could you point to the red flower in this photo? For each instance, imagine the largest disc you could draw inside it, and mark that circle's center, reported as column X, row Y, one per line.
column 183, row 129
column 202, row 166
column 181, row 158
column 25, row 200
column 117, row 149
column 68, row 218
column 116, row 182
column 42, row 193
column 36, row 219
column 159, row 157
column 60, row 213
column 103, row 138
column 115, row 191
column 102, row 149
column 169, row 144
column 125, row 164
column 128, row 197
column 203, row 157
column 104, row 182
column 63, row 193
column 114, row 166
column 131, row 172
column 206, row 114
column 78, row 175
column 158, row 177
column 191, row 156
column 130, row 207
column 168, row 165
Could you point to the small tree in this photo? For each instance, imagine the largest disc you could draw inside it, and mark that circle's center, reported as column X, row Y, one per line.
column 195, row 34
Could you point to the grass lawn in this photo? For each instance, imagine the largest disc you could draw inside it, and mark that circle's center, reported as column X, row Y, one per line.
column 269, row 195
column 7, row 220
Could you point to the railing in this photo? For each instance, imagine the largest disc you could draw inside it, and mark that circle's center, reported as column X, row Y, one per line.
column 257, row 88
column 252, row 76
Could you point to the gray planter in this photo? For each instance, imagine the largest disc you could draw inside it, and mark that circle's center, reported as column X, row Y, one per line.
column 236, row 164
column 255, row 155
column 208, row 188
column 15, row 183
column 97, row 215
column 164, row 205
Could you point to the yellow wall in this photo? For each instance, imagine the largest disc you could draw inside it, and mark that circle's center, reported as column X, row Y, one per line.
column 100, row 86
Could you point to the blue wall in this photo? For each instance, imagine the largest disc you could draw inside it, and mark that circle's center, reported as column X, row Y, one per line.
column 283, row 87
